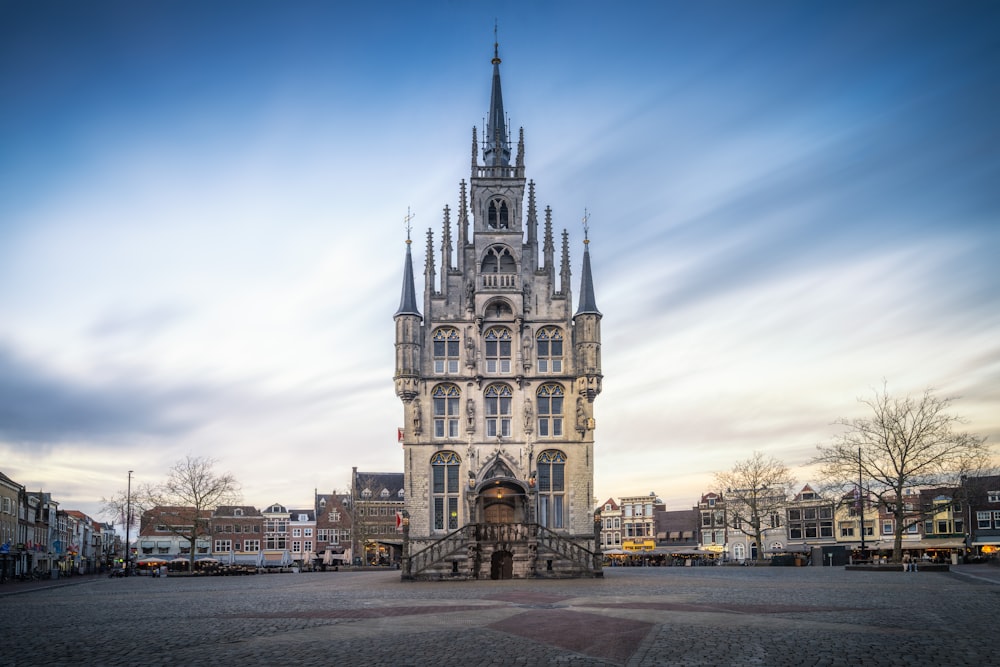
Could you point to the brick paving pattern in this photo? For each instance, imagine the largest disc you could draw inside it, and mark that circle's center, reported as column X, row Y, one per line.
column 633, row 617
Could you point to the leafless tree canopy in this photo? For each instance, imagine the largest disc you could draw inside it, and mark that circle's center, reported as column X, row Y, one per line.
column 191, row 490
column 754, row 490
column 905, row 442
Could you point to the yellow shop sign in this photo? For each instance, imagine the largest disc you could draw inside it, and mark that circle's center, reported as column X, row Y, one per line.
column 638, row 545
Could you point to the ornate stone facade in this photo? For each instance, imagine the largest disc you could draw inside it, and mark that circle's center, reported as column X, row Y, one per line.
column 498, row 379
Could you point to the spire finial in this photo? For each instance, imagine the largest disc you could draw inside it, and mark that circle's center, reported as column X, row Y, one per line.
column 496, row 45
column 586, row 227
column 407, row 225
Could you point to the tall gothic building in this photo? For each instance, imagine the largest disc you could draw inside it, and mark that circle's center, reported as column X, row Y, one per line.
column 498, row 379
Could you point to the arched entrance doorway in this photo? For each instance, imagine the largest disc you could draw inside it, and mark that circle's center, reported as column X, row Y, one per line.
column 502, row 501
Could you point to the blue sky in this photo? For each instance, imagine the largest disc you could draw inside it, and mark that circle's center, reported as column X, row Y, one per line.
column 201, row 234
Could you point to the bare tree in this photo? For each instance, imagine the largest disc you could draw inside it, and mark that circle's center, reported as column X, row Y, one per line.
column 117, row 507
column 755, row 491
column 190, row 492
column 905, row 443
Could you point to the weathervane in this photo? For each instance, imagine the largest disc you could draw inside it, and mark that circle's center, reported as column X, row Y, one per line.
column 586, row 226
column 406, row 223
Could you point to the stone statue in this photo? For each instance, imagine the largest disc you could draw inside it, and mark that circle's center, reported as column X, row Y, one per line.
column 417, row 417
column 581, row 416
column 470, row 296
column 529, row 416
column 470, row 414
column 470, row 348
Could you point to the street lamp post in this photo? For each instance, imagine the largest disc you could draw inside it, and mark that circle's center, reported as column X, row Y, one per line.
column 128, row 525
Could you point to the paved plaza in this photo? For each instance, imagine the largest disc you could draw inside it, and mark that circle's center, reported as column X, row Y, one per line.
column 633, row 616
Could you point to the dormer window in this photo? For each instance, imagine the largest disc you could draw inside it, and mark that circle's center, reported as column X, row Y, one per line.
column 367, row 493
column 303, row 517
column 238, row 512
column 384, row 493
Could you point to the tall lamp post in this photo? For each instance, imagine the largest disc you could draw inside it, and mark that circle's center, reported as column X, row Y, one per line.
column 128, row 525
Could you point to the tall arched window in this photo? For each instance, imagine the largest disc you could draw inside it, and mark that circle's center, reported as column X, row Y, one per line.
column 498, row 350
column 445, row 489
column 550, row 410
column 498, row 409
column 551, row 488
column 446, row 350
column 550, row 350
column 446, row 398
column 497, row 216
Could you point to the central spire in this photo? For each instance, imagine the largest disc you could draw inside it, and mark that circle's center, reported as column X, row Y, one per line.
column 496, row 144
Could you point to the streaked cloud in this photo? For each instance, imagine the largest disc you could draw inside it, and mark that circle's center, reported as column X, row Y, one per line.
column 201, row 233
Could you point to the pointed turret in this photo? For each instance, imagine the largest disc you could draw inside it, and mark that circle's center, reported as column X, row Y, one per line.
column 496, row 143
column 408, row 298
column 588, row 302
column 587, row 328
column 408, row 324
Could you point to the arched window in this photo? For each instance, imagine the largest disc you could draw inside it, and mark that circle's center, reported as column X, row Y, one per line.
column 497, row 216
column 739, row 551
column 446, row 350
column 498, row 409
column 498, row 350
column 551, row 488
column 550, row 410
column 550, row 350
column 445, row 489
column 446, row 398
column 498, row 259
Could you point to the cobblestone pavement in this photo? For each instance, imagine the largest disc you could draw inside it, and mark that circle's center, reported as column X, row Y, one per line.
column 632, row 617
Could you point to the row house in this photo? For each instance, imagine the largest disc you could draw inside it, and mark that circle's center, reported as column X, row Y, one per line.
column 37, row 537
column 238, row 535
column 302, row 526
column 713, row 521
column 609, row 517
column 638, row 521
column 40, row 523
column 982, row 496
column 377, row 503
column 678, row 529
column 165, row 532
column 809, row 522
column 333, row 528
column 82, row 552
column 11, row 494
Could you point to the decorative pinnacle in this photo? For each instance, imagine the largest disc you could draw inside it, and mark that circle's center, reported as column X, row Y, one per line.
column 586, row 227
column 407, row 225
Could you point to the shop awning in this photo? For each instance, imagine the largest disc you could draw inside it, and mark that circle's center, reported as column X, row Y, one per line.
column 986, row 542
column 926, row 544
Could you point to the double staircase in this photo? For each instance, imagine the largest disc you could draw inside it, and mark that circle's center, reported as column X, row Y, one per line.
column 500, row 551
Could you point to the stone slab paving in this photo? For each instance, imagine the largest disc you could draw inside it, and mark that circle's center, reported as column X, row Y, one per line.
column 632, row 617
